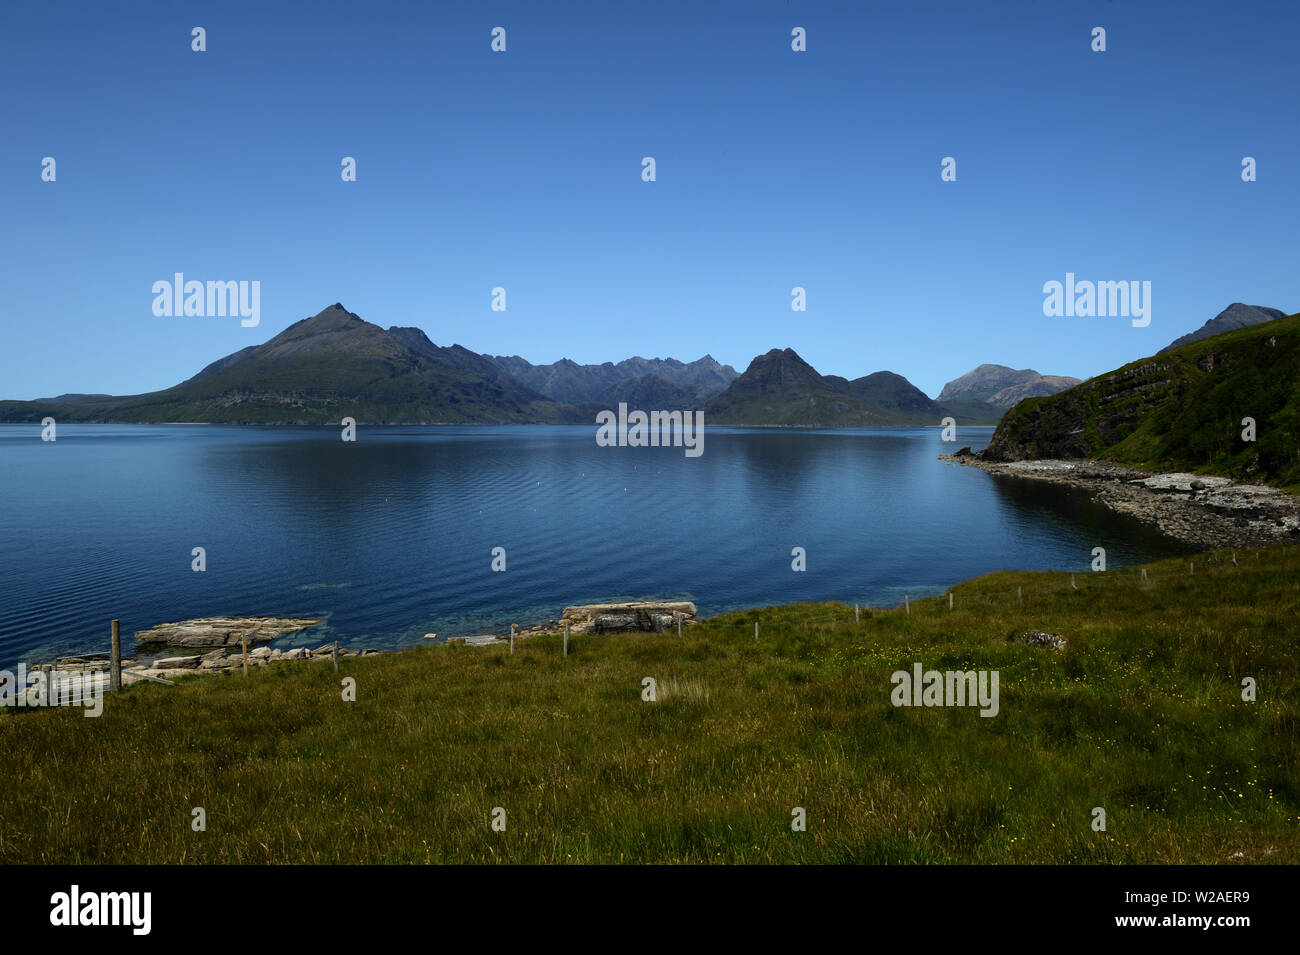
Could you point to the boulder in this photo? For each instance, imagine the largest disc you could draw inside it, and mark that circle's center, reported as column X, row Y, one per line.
column 1037, row 638
column 616, row 623
column 217, row 660
column 625, row 617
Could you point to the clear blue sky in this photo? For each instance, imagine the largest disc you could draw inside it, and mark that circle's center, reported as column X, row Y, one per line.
column 522, row 169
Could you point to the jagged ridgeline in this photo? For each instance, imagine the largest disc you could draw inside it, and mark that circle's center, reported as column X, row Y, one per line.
column 335, row 365
column 780, row 388
column 1181, row 409
column 320, row 369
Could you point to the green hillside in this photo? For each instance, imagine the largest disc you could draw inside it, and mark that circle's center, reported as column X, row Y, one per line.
column 1179, row 410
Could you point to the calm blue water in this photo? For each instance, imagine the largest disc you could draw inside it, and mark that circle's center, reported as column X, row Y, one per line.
column 390, row 537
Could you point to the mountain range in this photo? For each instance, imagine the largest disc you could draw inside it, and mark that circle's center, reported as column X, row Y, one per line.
column 780, row 388
column 1003, row 387
column 320, row 370
column 676, row 381
column 335, row 364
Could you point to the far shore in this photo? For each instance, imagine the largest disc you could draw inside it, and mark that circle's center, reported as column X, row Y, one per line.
column 1201, row 511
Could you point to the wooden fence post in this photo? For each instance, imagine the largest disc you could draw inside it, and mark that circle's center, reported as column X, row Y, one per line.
column 336, row 656
column 115, row 664
column 907, row 604
column 950, row 600
column 566, row 640
column 856, row 617
column 244, row 642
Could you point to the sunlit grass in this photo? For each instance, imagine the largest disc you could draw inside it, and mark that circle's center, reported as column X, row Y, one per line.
column 1141, row 715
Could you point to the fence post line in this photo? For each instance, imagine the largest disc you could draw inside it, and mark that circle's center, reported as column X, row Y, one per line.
column 115, row 664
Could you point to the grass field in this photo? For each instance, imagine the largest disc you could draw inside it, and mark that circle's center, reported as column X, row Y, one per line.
column 1141, row 715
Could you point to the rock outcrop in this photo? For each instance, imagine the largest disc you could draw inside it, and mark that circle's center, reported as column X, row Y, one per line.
column 642, row 616
column 1039, row 638
column 209, row 632
column 1200, row 510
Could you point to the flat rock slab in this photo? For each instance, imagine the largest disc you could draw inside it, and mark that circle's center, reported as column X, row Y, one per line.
column 210, row 632
column 477, row 640
column 176, row 663
column 642, row 616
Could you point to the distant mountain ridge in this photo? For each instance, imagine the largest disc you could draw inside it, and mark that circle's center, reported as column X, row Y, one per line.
column 1003, row 387
column 335, row 364
column 1236, row 315
column 567, row 381
column 780, row 388
column 321, row 369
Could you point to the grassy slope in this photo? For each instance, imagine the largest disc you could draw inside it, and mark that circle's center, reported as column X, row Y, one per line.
column 1180, row 410
column 1142, row 715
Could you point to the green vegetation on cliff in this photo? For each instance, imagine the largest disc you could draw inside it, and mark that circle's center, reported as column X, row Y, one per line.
column 1182, row 409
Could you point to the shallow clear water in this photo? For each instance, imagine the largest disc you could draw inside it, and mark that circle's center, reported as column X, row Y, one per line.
column 390, row 537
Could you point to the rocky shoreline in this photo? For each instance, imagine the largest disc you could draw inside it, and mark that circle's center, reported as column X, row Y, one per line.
column 222, row 640
column 1198, row 510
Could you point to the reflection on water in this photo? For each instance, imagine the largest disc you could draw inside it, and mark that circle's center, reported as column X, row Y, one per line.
column 390, row 537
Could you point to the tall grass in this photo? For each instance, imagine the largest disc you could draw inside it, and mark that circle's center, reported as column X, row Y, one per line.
column 1141, row 715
